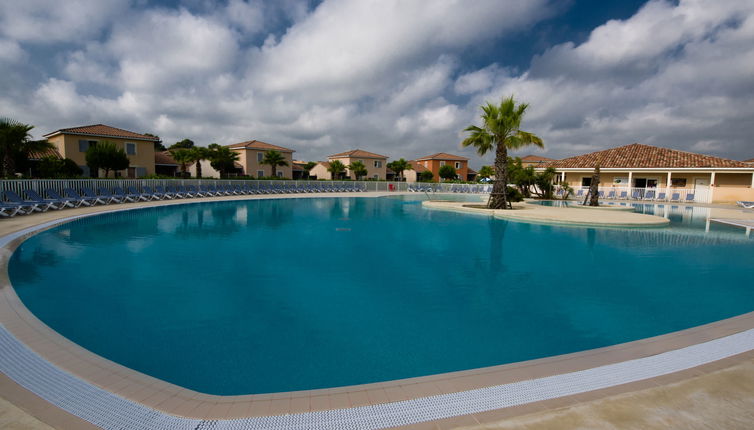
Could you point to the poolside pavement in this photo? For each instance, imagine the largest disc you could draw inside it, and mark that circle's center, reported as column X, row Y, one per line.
column 526, row 212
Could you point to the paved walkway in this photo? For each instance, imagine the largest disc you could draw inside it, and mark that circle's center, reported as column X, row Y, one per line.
column 720, row 400
column 600, row 216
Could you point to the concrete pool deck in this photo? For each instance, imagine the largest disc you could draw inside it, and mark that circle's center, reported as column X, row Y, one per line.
column 620, row 217
column 175, row 400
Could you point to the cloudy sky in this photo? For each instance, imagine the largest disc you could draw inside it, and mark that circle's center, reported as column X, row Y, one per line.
column 397, row 77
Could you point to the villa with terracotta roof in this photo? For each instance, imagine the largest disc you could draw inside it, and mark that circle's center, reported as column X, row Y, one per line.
column 535, row 160
column 644, row 167
column 435, row 161
column 251, row 153
column 376, row 164
column 73, row 142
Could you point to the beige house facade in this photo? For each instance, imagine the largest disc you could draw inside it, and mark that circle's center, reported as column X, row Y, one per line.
column 74, row 142
column 251, row 153
column 376, row 164
column 649, row 172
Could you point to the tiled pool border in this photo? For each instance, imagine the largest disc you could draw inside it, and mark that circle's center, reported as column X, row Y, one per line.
column 28, row 343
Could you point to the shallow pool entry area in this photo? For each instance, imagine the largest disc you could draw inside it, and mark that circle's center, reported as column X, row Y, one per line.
column 265, row 296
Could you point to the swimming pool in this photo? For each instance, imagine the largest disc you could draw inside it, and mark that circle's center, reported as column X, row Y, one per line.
column 276, row 295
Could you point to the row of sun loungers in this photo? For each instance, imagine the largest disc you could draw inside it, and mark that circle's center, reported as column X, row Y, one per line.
column 33, row 201
column 637, row 195
column 432, row 188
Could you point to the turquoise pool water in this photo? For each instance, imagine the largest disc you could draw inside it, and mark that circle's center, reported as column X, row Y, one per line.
column 276, row 295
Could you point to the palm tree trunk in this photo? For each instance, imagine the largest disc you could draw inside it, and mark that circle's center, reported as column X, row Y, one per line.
column 498, row 198
column 198, row 168
column 274, row 170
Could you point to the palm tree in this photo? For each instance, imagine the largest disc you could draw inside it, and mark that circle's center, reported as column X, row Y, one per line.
column 358, row 168
column 16, row 145
column 335, row 169
column 308, row 167
column 183, row 157
column 274, row 159
column 222, row 158
column 500, row 131
column 399, row 166
column 199, row 154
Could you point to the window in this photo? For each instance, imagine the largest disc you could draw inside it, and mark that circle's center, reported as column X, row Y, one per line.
column 85, row 144
column 377, row 164
column 260, row 156
column 585, row 182
column 458, row 164
column 376, row 176
column 678, row 182
column 280, row 174
column 442, row 163
column 130, row 148
column 260, row 173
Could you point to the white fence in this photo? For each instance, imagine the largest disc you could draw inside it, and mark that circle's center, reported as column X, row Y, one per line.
column 288, row 186
column 698, row 195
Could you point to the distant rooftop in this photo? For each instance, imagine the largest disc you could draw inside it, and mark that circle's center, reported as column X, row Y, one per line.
column 536, row 159
column 357, row 153
column 258, row 144
column 638, row 155
column 101, row 130
column 443, row 156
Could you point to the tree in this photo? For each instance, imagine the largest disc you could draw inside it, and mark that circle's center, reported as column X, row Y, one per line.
column 199, row 154
column 544, row 183
column 54, row 167
column 500, row 131
column 567, row 190
column 16, row 145
column 594, row 187
column 336, row 169
column 486, row 172
column 447, row 172
column 426, row 176
column 309, row 166
column 183, row 144
column 106, row 156
column 274, row 159
column 183, row 157
column 358, row 168
column 399, row 166
column 158, row 146
column 222, row 159
column 522, row 177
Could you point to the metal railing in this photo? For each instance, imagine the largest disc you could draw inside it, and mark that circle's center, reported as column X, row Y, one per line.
column 289, row 186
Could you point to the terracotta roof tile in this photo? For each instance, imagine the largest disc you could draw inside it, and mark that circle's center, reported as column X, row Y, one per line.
column 102, row 130
column 49, row 152
column 164, row 158
column 749, row 161
column 644, row 156
column 357, row 153
column 258, row 144
column 536, row 159
column 416, row 166
column 443, row 156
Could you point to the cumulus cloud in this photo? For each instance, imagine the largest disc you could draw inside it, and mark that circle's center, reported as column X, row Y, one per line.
column 45, row 22
column 392, row 77
column 672, row 75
